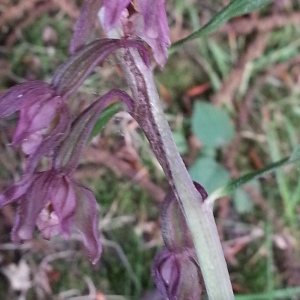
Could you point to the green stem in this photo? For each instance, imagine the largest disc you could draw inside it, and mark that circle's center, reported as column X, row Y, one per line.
column 199, row 214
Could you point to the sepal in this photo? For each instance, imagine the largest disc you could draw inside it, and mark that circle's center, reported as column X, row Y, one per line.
column 177, row 275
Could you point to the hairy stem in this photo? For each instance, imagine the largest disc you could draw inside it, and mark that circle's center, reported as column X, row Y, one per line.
column 199, row 215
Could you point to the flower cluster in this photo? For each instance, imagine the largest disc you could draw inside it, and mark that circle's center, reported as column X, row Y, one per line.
column 51, row 199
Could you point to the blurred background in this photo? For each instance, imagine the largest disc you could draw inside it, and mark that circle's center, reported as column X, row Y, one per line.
column 232, row 101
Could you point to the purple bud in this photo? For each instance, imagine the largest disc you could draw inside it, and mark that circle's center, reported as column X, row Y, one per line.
column 175, row 231
column 177, row 275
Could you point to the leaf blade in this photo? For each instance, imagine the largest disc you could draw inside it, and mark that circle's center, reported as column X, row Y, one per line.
column 234, row 9
column 233, row 185
column 104, row 118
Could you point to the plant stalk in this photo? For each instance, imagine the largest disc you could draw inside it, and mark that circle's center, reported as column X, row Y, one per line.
column 198, row 214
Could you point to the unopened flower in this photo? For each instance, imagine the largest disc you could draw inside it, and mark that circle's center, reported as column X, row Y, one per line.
column 56, row 204
column 177, row 275
column 40, row 113
column 175, row 231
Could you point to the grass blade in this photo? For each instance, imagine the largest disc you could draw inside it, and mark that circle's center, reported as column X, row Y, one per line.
column 236, row 183
column 285, row 294
column 234, row 9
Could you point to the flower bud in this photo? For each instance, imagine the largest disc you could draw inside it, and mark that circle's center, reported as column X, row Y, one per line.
column 177, row 275
column 175, row 231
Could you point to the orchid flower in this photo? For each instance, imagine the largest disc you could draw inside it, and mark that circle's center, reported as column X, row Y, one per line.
column 57, row 204
column 39, row 107
column 143, row 19
column 52, row 199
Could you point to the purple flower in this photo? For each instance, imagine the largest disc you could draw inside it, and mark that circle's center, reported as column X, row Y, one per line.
column 41, row 111
column 56, row 204
column 52, row 200
column 147, row 20
column 177, row 275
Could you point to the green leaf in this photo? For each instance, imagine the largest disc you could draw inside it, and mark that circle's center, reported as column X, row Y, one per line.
column 209, row 173
column 104, row 118
column 211, row 125
column 220, row 57
column 234, row 9
column 233, row 185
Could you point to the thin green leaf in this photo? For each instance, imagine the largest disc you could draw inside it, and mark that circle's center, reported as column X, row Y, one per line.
column 104, row 118
column 220, row 58
column 229, row 188
column 234, row 9
column 285, row 294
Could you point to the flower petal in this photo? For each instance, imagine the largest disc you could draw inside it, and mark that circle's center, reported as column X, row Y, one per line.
column 177, row 275
column 63, row 199
column 35, row 118
column 16, row 191
column 84, row 24
column 112, row 12
column 86, row 221
column 30, row 206
column 166, row 273
column 48, row 223
column 23, row 94
column 51, row 141
column 155, row 30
